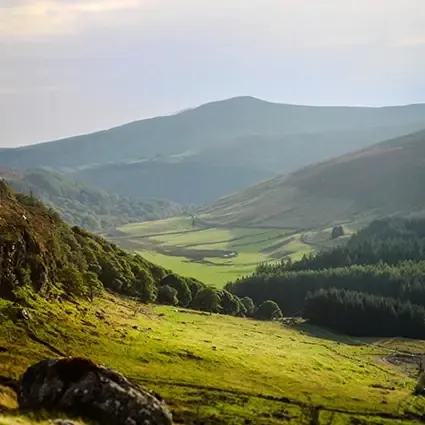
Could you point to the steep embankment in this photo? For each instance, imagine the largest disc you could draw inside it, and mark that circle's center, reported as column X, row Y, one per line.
column 385, row 179
column 39, row 251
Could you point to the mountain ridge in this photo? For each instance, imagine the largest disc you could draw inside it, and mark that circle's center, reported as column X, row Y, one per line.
column 216, row 149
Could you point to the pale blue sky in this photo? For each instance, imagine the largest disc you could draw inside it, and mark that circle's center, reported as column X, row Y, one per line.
column 73, row 66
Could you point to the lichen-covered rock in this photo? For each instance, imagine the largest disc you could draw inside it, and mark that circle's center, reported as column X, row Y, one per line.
column 80, row 387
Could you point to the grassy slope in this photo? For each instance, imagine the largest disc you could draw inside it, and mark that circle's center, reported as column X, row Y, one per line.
column 382, row 180
column 264, row 372
column 198, row 252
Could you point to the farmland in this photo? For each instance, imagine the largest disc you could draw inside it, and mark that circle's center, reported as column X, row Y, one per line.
column 217, row 255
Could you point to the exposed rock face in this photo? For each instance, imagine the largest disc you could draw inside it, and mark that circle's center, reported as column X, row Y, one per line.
column 80, row 387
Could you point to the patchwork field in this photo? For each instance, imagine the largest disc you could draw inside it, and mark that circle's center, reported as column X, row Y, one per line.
column 216, row 255
column 221, row 370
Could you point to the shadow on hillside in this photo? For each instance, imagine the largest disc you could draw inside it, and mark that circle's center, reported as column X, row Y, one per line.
column 321, row 333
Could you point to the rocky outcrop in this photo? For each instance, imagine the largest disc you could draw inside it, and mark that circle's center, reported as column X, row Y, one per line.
column 79, row 387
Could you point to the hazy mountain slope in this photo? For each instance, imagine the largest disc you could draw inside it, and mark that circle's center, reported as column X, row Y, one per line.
column 382, row 180
column 217, row 149
column 186, row 182
column 83, row 205
column 209, row 125
column 291, row 152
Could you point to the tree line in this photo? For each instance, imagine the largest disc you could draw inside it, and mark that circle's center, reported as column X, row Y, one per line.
column 384, row 260
column 363, row 314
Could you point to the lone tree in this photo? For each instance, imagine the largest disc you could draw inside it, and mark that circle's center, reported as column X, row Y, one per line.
column 337, row 232
column 268, row 310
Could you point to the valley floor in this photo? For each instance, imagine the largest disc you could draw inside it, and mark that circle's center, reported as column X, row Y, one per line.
column 215, row 369
column 217, row 255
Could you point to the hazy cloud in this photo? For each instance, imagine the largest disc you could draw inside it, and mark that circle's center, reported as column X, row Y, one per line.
column 42, row 17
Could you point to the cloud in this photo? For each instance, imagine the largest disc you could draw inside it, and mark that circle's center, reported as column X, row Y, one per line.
column 24, row 18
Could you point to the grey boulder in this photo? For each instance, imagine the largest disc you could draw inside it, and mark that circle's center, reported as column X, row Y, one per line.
column 81, row 388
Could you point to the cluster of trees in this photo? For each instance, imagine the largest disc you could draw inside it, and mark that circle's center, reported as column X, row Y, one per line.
column 386, row 260
column 391, row 241
column 362, row 314
column 190, row 293
column 289, row 289
column 88, row 207
column 63, row 262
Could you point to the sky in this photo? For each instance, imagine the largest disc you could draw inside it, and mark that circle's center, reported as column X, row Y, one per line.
column 70, row 67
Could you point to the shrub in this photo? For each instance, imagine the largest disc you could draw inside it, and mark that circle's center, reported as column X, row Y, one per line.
column 167, row 295
column 248, row 305
column 229, row 304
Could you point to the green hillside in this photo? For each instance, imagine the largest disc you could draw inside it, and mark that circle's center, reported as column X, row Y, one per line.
column 209, row 368
column 385, row 179
column 216, row 149
column 83, row 205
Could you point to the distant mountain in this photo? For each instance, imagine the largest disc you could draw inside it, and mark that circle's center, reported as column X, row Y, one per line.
column 82, row 205
column 216, row 149
column 385, row 179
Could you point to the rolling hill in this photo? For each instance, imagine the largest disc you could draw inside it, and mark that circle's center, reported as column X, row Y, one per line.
column 83, row 205
column 209, row 368
column 216, row 149
column 385, row 179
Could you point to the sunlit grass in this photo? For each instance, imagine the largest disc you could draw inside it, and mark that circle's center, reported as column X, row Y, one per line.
column 176, row 245
column 224, row 363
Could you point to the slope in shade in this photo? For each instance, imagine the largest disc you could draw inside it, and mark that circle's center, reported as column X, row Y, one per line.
column 385, row 179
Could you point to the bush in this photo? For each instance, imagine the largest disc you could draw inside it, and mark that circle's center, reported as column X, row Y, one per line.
column 268, row 310
column 229, row 304
column 248, row 305
column 195, row 286
column 167, row 295
column 207, row 299
column 184, row 294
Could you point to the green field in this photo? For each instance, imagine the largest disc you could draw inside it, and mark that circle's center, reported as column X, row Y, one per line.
column 217, row 369
column 216, row 255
